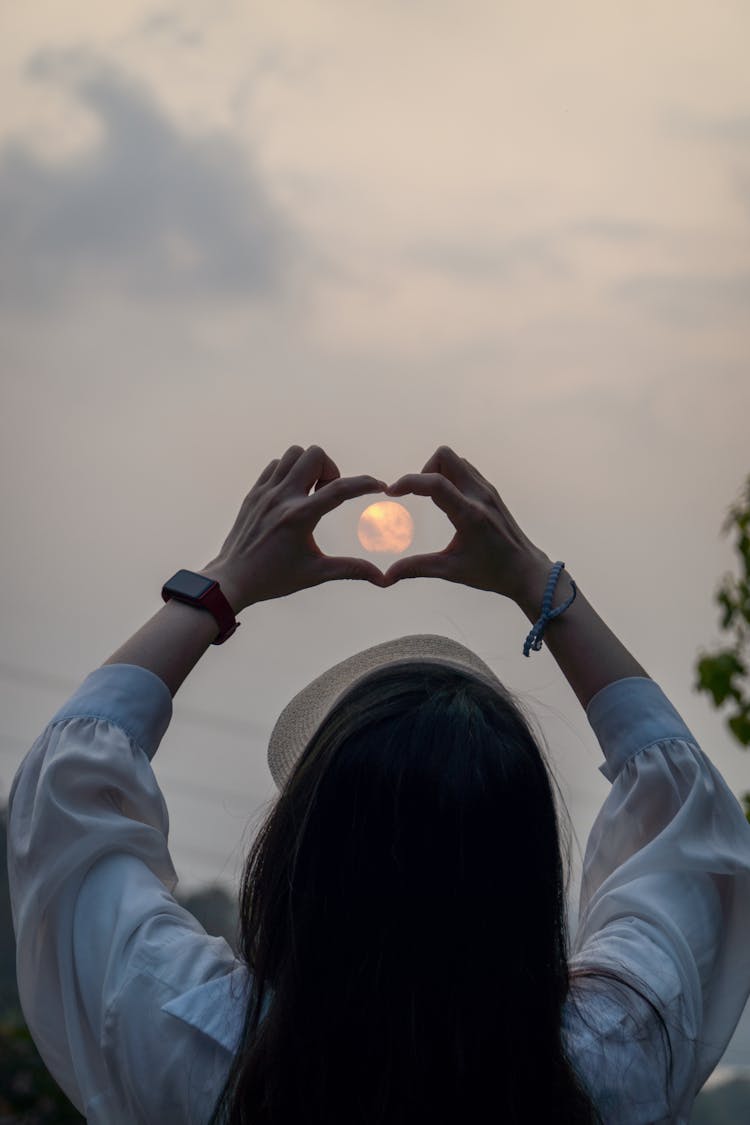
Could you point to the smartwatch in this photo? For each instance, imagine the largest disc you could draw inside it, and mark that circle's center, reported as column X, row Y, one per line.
column 204, row 593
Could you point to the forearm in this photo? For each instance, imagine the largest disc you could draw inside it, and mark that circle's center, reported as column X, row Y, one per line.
column 588, row 653
column 172, row 642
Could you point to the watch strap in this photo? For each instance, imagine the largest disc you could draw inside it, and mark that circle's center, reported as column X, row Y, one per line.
column 212, row 599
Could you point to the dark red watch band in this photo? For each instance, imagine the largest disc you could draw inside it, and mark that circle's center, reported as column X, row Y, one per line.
column 182, row 585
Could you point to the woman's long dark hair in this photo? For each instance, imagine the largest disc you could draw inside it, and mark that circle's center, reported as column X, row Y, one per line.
column 402, row 911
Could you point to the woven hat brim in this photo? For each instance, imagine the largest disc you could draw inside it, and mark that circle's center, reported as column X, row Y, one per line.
column 304, row 714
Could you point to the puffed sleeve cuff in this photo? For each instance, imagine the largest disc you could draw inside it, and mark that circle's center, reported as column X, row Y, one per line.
column 86, row 788
column 85, row 795
column 665, row 886
column 629, row 715
column 131, row 697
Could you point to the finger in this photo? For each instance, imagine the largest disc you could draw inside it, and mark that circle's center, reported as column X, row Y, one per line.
column 482, row 482
column 290, row 458
column 444, row 460
column 435, row 485
column 332, row 569
column 339, row 490
column 419, row 566
column 314, row 465
column 267, row 472
column 329, row 473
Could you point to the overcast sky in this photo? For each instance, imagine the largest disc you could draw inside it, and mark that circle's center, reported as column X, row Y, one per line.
column 521, row 229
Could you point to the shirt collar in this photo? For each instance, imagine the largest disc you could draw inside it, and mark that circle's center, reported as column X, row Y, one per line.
column 217, row 1007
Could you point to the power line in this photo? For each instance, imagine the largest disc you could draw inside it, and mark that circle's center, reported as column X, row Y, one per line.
column 22, row 743
column 217, row 794
column 43, row 679
column 51, row 682
column 208, row 856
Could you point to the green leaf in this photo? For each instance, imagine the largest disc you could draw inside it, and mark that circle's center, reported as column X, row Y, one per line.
column 739, row 725
column 716, row 673
column 725, row 601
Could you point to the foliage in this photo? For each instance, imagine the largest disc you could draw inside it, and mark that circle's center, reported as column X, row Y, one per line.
column 724, row 673
column 723, row 1104
column 28, row 1093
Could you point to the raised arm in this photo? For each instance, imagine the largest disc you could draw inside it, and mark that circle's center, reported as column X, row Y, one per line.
column 589, row 654
column 269, row 552
column 491, row 552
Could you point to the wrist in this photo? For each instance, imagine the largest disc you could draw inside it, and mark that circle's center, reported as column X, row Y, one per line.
column 536, row 575
column 228, row 588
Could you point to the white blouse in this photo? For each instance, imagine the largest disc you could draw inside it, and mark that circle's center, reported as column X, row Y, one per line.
column 136, row 1011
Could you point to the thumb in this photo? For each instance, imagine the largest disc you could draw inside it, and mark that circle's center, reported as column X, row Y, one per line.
column 418, row 566
column 343, row 567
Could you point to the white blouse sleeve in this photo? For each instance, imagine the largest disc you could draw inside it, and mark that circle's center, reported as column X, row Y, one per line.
column 665, row 893
column 102, row 944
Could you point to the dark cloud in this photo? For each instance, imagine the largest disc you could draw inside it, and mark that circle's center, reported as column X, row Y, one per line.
column 734, row 128
column 689, row 301
column 148, row 208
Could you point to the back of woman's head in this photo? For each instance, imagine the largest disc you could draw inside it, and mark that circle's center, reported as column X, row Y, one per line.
column 402, row 911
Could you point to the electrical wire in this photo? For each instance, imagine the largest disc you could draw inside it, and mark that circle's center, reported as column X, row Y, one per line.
column 216, row 794
column 52, row 682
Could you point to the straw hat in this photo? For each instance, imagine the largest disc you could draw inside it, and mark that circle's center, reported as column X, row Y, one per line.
column 302, row 716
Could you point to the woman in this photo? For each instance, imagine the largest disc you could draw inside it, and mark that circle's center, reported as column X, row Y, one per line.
column 403, row 945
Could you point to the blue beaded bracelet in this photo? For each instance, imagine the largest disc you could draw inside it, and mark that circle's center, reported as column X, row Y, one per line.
column 534, row 639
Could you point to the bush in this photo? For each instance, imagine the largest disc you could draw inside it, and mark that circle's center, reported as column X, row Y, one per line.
column 28, row 1093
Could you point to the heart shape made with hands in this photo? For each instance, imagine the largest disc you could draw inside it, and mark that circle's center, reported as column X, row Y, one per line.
column 271, row 550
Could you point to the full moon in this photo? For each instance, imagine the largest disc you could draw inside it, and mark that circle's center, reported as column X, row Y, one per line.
column 385, row 526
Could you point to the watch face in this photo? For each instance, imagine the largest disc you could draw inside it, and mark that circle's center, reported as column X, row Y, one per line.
column 189, row 584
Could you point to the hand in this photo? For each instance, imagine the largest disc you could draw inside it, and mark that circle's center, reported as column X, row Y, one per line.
column 489, row 550
column 270, row 551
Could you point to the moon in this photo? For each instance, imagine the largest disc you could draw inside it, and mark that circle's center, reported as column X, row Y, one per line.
column 385, row 526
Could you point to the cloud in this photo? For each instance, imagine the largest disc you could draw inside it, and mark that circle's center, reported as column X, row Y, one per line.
column 691, row 301
column 617, row 230
column 486, row 261
column 170, row 22
column 541, row 251
column 147, row 209
column 731, row 135
column 734, row 128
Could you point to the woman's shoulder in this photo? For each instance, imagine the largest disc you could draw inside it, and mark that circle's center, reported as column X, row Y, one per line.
column 634, row 1069
column 215, row 1007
